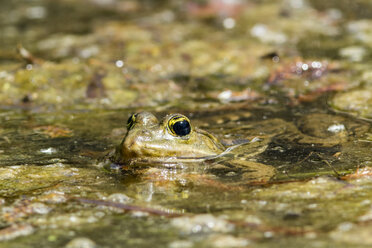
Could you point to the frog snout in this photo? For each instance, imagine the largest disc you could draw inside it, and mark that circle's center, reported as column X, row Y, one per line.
column 134, row 143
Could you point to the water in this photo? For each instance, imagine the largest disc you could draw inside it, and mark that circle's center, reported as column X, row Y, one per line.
column 280, row 66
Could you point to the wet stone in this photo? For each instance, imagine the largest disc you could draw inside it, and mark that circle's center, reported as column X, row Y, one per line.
column 7, row 173
column 22, row 209
column 181, row 244
column 204, row 223
column 67, row 101
column 53, row 197
column 353, row 234
column 354, row 53
column 39, row 208
column 227, row 241
column 81, row 242
column 15, row 231
column 120, row 198
column 366, row 217
column 358, row 102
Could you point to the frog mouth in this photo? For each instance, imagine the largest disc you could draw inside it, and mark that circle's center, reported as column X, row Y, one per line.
column 184, row 159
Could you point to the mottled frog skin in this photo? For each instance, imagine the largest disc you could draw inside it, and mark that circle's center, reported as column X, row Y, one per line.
column 172, row 139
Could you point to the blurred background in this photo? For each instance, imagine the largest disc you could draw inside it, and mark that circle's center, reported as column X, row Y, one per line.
column 115, row 54
column 294, row 73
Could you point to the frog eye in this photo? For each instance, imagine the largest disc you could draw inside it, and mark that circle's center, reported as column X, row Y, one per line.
column 179, row 125
column 131, row 121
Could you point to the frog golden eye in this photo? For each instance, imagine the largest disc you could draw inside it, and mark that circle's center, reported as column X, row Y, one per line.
column 179, row 125
column 131, row 121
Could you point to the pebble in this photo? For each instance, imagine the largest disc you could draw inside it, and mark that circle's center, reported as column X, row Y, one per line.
column 53, row 197
column 227, row 241
column 181, row 244
column 202, row 223
column 81, row 242
column 120, row 198
column 353, row 234
column 353, row 53
column 39, row 208
column 266, row 35
column 15, row 231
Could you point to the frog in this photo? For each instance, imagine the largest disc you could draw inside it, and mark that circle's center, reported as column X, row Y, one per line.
column 175, row 140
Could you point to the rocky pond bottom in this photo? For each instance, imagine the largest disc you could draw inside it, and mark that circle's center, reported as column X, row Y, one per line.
column 284, row 85
column 59, row 189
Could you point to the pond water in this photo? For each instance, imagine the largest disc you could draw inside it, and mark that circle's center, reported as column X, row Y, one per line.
column 288, row 81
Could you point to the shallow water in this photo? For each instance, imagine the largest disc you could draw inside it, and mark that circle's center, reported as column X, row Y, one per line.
column 292, row 73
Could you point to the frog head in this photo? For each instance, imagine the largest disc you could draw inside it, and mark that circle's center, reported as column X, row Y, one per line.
column 171, row 139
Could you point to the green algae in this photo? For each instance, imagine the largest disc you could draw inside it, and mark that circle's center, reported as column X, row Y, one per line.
column 95, row 64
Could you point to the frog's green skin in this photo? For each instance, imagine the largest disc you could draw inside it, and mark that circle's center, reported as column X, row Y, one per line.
column 151, row 140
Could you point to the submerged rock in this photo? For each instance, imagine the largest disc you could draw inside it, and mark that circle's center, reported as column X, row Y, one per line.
column 357, row 102
column 353, row 234
column 15, row 231
column 81, row 243
column 203, row 223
